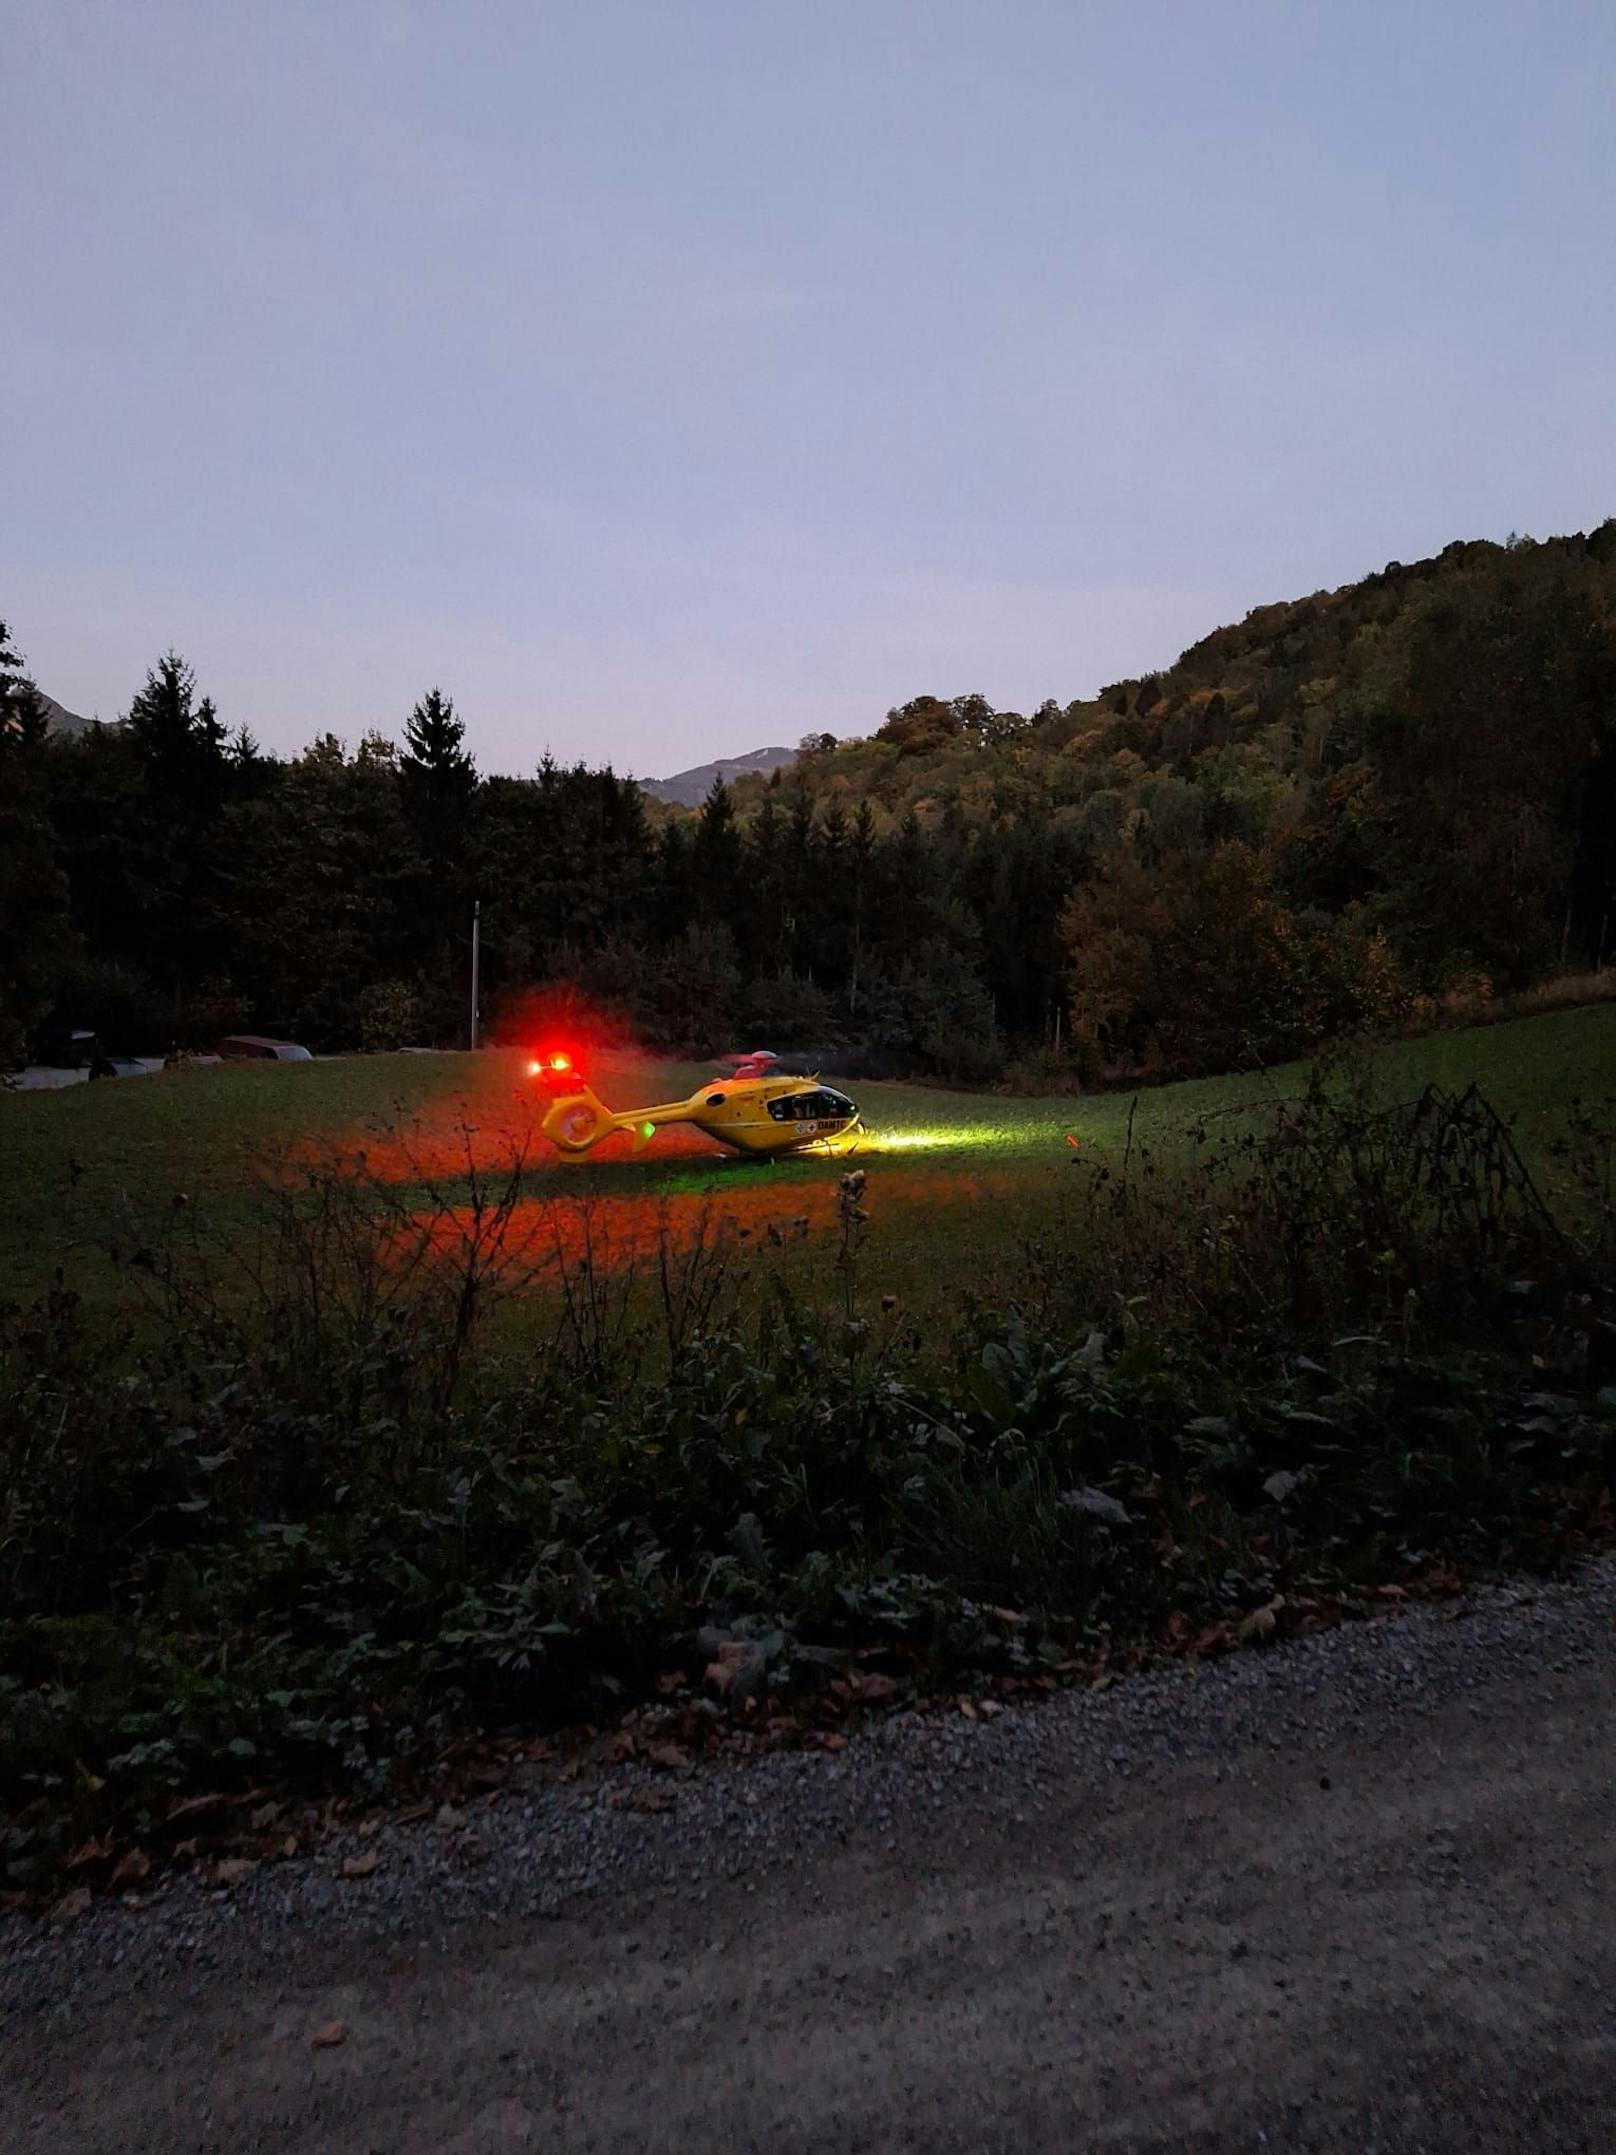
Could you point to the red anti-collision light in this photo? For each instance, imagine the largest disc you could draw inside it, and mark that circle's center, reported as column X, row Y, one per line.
column 560, row 1062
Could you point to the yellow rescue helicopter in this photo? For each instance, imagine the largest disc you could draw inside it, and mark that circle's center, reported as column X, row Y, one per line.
column 754, row 1109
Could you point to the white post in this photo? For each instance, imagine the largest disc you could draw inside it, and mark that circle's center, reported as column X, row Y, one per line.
column 476, row 941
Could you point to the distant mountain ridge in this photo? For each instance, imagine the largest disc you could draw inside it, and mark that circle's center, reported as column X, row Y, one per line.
column 58, row 719
column 688, row 789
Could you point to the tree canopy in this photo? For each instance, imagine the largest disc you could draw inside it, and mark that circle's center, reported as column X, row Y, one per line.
column 1311, row 821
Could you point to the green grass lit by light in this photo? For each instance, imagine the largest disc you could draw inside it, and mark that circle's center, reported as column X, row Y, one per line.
column 955, row 1181
column 960, row 1137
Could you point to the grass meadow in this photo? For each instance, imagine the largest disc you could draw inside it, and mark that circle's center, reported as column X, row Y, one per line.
column 957, row 1182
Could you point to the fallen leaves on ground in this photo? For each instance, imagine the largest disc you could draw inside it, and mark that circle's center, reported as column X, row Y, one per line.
column 872, row 1688
column 230, row 1871
column 194, row 1806
column 362, row 1865
column 329, row 2035
column 722, row 1670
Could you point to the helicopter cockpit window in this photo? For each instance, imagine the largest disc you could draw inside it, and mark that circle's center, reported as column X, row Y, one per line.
column 715, row 1099
column 820, row 1106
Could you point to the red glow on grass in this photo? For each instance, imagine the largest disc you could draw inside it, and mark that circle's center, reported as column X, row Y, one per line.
column 615, row 1229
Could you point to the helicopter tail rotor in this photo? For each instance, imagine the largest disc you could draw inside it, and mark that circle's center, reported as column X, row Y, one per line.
column 578, row 1121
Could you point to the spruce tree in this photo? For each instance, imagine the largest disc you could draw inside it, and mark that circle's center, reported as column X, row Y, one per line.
column 437, row 776
column 717, row 856
column 437, row 783
column 35, row 938
column 180, row 860
column 22, row 715
column 180, row 741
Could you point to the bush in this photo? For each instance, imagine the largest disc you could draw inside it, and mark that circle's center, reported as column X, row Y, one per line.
column 389, row 1016
column 933, row 1015
column 691, row 997
column 1042, row 1072
column 443, row 1008
column 210, row 1011
column 784, row 1010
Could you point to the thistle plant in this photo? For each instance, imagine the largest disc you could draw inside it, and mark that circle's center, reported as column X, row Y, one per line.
column 852, row 1219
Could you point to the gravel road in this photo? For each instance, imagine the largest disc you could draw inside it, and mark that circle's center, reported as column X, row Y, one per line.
column 1351, row 1893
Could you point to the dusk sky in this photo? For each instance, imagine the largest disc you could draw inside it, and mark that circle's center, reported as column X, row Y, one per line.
column 669, row 379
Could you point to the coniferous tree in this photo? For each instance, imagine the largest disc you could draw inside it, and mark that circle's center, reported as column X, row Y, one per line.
column 861, row 856
column 717, row 857
column 35, row 938
column 22, row 716
column 765, row 910
column 436, row 774
column 799, row 866
column 437, row 786
column 180, row 741
column 184, row 927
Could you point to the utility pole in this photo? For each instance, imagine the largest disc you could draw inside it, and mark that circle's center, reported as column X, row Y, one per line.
column 476, row 952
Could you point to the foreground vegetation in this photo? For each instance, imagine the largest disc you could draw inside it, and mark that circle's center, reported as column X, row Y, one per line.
column 321, row 1531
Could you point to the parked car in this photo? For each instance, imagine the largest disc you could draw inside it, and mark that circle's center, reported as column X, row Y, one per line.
column 258, row 1048
column 76, row 1048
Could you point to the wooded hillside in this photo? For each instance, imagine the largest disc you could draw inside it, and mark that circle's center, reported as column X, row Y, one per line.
column 1314, row 819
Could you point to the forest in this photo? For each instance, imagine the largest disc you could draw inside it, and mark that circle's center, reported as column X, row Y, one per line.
column 1315, row 824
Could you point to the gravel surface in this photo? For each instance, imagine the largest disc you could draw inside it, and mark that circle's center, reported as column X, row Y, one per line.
column 1353, row 1892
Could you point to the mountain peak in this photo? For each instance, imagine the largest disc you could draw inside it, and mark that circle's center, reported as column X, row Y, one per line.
column 688, row 789
column 58, row 719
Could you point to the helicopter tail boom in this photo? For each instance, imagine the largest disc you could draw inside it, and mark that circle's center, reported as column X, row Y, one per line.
column 578, row 1120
